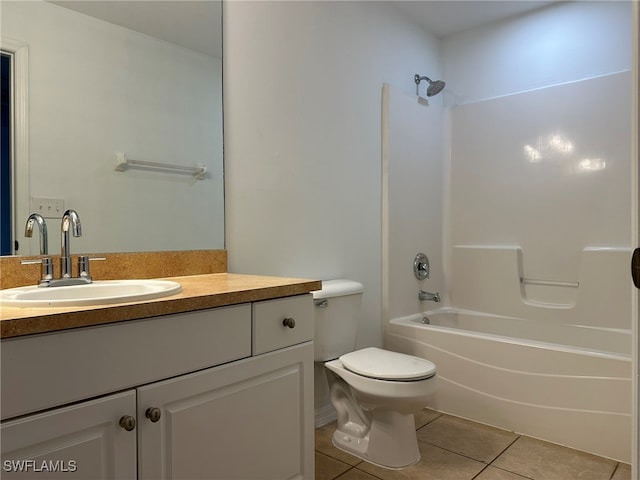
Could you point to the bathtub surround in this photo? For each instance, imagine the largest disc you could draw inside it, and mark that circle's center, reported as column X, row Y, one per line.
column 552, row 181
column 576, row 286
column 535, row 225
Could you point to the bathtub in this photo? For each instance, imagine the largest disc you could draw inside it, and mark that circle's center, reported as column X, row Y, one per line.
column 565, row 384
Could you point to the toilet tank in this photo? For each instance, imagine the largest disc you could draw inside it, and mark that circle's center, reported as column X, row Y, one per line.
column 337, row 312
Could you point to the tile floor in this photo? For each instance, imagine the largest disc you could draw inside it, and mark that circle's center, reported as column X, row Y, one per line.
column 457, row 449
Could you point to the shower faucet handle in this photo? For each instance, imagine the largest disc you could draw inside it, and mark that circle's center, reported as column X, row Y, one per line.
column 421, row 266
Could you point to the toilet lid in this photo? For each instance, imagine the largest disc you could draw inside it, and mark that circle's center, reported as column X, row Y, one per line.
column 385, row 365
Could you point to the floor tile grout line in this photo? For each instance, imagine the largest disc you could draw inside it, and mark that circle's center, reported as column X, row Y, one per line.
column 613, row 474
column 509, row 471
column 506, row 448
column 480, row 472
column 326, row 454
column 334, row 458
column 356, row 468
column 463, row 455
column 429, row 422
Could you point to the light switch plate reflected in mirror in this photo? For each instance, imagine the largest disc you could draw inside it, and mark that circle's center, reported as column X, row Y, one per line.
column 47, row 207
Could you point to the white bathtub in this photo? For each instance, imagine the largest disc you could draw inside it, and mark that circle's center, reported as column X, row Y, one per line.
column 515, row 374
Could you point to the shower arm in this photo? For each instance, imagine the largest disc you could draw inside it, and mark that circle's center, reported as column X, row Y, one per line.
column 417, row 78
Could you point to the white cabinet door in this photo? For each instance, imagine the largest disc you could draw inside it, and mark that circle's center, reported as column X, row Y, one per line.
column 250, row 419
column 82, row 441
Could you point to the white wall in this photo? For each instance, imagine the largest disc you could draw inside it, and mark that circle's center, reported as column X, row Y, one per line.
column 413, row 141
column 561, row 43
column 96, row 89
column 302, row 93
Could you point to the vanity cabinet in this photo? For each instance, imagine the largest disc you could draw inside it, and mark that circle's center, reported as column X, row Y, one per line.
column 225, row 393
column 79, row 441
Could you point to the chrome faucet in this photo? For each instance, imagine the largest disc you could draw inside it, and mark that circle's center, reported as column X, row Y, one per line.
column 428, row 297
column 70, row 224
column 37, row 219
column 46, row 262
column 70, row 220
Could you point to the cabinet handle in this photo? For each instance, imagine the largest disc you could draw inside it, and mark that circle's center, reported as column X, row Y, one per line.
column 128, row 422
column 153, row 414
column 289, row 322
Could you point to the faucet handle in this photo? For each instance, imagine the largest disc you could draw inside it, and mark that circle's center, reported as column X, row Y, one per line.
column 46, row 269
column 83, row 266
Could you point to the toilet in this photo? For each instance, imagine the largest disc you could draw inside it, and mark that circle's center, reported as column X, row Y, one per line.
column 375, row 392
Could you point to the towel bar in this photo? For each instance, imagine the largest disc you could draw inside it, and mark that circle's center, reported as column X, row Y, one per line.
column 122, row 163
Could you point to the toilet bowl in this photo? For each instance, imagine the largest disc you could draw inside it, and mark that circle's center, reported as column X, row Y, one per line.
column 374, row 392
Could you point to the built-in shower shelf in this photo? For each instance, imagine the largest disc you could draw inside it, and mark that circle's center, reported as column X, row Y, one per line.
column 490, row 279
column 548, row 283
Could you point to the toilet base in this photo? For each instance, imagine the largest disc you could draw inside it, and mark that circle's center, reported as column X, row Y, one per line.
column 390, row 442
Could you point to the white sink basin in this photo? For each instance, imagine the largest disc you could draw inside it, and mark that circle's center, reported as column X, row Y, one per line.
column 96, row 293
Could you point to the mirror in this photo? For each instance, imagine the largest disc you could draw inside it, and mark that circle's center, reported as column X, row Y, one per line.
column 104, row 80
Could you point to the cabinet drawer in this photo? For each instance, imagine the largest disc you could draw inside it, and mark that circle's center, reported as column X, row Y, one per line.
column 72, row 365
column 270, row 330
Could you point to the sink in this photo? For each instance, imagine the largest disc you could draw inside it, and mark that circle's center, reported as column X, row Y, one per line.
column 96, row 293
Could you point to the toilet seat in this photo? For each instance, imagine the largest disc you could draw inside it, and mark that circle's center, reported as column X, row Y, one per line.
column 382, row 364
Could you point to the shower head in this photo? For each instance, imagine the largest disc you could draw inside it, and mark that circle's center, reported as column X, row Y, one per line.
column 434, row 88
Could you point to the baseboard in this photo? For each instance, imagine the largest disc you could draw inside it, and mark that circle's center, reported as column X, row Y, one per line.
column 323, row 415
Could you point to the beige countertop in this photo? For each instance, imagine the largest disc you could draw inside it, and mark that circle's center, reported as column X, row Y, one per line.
column 198, row 292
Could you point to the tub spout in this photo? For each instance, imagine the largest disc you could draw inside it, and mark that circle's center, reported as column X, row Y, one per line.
column 428, row 297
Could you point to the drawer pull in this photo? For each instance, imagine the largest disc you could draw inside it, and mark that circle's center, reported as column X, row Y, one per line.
column 289, row 322
column 128, row 422
column 153, row 414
